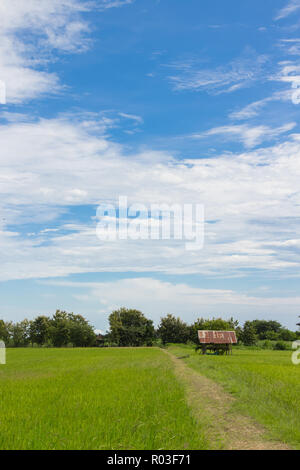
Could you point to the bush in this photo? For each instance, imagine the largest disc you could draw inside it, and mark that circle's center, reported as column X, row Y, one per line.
column 272, row 336
column 280, row 346
column 267, row 344
column 287, row 335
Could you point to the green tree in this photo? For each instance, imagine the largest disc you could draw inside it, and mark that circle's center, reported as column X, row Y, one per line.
column 270, row 335
column 5, row 331
column 287, row 335
column 81, row 332
column 59, row 331
column 262, row 327
column 40, row 330
column 173, row 330
column 21, row 333
column 249, row 337
column 129, row 327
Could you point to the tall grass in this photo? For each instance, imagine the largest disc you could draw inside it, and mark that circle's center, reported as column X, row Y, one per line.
column 265, row 383
column 94, row 399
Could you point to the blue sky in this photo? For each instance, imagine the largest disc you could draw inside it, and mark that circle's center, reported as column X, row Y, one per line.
column 161, row 101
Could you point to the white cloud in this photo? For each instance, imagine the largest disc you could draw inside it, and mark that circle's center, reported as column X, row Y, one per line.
column 105, row 4
column 252, row 199
column 52, row 25
column 157, row 298
column 239, row 73
column 132, row 117
column 253, row 109
column 249, row 136
column 292, row 7
column 292, row 46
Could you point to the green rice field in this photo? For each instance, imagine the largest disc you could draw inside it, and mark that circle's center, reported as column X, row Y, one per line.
column 266, row 385
column 131, row 398
column 94, row 399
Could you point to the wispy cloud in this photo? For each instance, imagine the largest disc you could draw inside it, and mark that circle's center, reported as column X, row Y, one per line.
column 239, row 73
column 291, row 46
column 132, row 117
column 105, row 4
column 249, row 136
column 253, row 109
column 292, row 7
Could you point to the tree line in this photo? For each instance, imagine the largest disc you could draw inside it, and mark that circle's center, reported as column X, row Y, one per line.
column 130, row 327
column 62, row 329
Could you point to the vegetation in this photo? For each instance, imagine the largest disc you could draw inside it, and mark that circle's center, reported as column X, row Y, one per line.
column 61, row 330
column 173, row 330
column 130, row 327
column 248, row 334
column 84, row 398
column 94, row 399
column 266, row 386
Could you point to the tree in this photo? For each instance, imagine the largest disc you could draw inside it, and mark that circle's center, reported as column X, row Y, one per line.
column 287, row 335
column 5, row 331
column 129, row 327
column 262, row 327
column 173, row 330
column 249, row 334
column 40, row 330
column 59, row 331
column 21, row 333
column 81, row 332
column 270, row 335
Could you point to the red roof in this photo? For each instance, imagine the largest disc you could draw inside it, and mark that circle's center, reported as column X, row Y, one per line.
column 217, row 337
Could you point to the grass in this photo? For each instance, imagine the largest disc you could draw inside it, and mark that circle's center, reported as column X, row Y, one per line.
column 94, row 399
column 266, row 386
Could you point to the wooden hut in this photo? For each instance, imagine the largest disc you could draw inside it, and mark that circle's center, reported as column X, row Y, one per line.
column 220, row 342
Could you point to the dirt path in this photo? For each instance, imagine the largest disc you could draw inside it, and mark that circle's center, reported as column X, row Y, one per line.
column 212, row 406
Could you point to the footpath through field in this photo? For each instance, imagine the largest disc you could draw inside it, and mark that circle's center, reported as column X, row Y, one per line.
column 212, row 405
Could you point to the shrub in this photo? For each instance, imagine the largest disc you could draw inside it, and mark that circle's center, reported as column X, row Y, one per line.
column 280, row 346
column 267, row 344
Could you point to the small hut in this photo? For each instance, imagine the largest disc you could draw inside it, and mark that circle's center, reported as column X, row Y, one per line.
column 220, row 342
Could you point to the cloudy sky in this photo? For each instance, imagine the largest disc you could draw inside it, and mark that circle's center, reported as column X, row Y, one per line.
column 162, row 101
